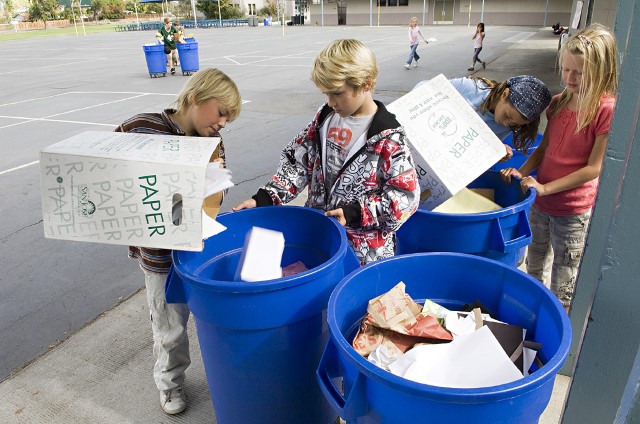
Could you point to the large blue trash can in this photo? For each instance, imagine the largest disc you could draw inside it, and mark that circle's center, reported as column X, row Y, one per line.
column 362, row 393
column 156, row 59
column 502, row 234
column 261, row 342
column 188, row 54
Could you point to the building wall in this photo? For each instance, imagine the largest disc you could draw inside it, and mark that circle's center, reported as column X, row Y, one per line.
column 496, row 12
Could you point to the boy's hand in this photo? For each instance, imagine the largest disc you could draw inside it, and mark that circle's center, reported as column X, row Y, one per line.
column 247, row 204
column 509, row 153
column 507, row 173
column 337, row 214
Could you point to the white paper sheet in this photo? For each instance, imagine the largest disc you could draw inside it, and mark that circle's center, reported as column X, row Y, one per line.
column 471, row 361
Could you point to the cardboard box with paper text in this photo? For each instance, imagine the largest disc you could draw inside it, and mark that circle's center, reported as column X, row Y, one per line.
column 450, row 144
column 127, row 188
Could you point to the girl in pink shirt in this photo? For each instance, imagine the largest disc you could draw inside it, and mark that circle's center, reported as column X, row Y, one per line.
column 570, row 157
column 414, row 31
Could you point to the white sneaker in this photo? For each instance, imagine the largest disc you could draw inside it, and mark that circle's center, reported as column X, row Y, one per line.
column 407, row 66
column 415, row 65
column 173, row 401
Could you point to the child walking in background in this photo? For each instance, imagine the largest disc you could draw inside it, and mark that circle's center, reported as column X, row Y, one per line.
column 570, row 156
column 353, row 157
column 514, row 105
column 414, row 32
column 477, row 38
column 208, row 101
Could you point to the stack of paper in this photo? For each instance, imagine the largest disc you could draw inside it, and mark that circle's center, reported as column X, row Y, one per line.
column 261, row 256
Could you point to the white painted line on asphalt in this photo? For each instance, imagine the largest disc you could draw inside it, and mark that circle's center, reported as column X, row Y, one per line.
column 19, row 167
column 64, row 121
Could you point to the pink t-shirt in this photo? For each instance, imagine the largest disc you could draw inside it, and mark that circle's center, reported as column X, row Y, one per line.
column 567, row 152
column 413, row 35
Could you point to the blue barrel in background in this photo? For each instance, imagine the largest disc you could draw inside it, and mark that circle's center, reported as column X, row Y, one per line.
column 501, row 234
column 156, row 59
column 188, row 54
column 518, row 158
column 362, row 393
column 261, row 342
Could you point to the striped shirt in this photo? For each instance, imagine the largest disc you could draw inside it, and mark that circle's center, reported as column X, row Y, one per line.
column 151, row 259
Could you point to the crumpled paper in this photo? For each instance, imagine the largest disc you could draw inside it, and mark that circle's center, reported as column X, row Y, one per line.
column 395, row 321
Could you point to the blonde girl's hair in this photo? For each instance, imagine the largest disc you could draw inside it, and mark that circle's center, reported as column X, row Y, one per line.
column 346, row 61
column 207, row 84
column 599, row 51
column 524, row 136
column 413, row 19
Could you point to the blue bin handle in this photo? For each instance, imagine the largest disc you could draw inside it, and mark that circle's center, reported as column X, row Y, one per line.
column 504, row 246
column 354, row 405
column 174, row 288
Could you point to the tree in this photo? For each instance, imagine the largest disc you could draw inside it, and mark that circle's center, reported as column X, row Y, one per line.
column 97, row 6
column 43, row 10
column 270, row 9
column 8, row 11
column 228, row 10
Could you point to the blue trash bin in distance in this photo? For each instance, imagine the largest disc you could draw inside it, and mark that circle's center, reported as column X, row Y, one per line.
column 188, row 54
column 518, row 158
column 156, row 59
column 501, row 234
column 362, row 393
column 261, row 342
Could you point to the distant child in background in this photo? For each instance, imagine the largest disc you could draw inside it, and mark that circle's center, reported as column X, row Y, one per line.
column 514, row 105
column 353, row 157
column 208, row 101
column 169, row 35
column 414, row 32
column 477, row 38
column 570, row 156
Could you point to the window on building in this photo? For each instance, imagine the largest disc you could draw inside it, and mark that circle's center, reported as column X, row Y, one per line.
column 391, row 3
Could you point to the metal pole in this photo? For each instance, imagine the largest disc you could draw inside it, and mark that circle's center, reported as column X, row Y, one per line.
column 424, row 11
column 195, row 20
column 219, row 14
column 546, row 6
column 482, row 14
column 370, row 13
column 135, row 6
column 321, row 12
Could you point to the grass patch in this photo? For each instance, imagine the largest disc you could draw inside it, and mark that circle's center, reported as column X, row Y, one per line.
column 56, row 32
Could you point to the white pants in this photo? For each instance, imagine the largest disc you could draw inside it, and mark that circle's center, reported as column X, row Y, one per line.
column 170, row 339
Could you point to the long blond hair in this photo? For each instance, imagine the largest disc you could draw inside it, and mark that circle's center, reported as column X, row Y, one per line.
column 598, row 48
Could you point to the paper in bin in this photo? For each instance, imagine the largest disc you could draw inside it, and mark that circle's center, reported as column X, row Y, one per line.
column 472, row 361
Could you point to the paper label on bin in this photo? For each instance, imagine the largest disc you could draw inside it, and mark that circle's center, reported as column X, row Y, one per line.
column 126, row 188
column 451, row 145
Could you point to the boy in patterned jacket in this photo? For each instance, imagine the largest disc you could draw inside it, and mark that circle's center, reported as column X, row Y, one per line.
column 353, row 157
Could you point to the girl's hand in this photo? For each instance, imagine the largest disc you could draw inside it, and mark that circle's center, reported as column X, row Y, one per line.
column 507, row 173
column 530, row 182
column 247, row 204
column 337, row 214
column 509, row 153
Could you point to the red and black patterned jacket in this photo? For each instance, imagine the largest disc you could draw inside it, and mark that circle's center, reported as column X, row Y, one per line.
column 377, row 188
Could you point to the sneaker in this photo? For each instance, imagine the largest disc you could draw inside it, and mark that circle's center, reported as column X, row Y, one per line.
column 415, row 65
column 484, row 65
column 173, row 401
column 407, row 66
column 470, row 69
column 173, row 71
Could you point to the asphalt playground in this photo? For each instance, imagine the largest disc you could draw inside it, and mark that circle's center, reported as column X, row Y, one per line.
column 76, row 341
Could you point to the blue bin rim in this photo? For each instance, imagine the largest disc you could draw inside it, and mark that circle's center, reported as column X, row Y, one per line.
column 267, row 285
column 483, row 394
column 483, row 216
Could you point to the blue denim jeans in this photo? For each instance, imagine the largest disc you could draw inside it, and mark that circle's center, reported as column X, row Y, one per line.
column 562, row 238
column 413, row 54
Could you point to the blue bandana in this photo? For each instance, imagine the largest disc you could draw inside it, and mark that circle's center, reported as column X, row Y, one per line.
column 529, row 95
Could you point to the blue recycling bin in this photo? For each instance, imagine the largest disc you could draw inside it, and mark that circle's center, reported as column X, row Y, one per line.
column 518, row 158
column 362, row 393
column 501, row 234
column 156, row 59
column 188, row 54
column 261, row 342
